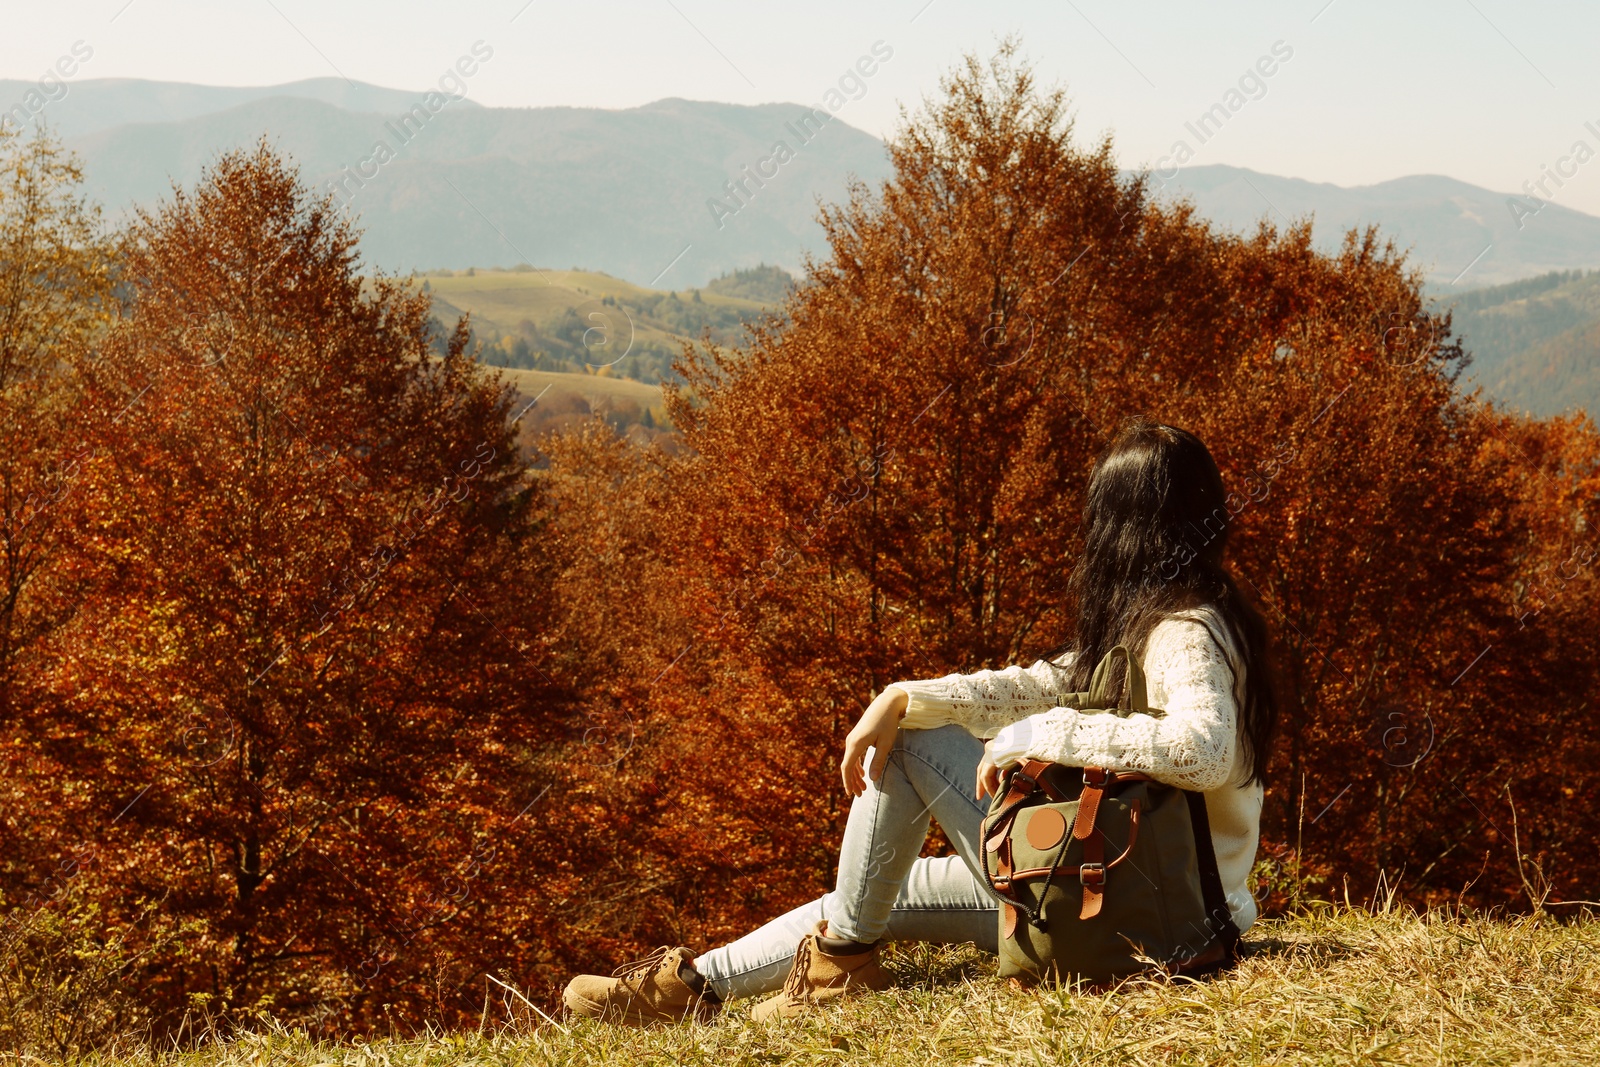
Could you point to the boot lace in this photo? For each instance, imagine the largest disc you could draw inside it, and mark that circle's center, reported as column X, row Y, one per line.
column 795, row 984
column 641, row 967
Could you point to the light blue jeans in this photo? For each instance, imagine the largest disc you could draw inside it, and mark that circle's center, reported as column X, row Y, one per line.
column 884, row 890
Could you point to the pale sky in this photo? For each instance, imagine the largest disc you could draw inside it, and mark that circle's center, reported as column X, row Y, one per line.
column 1488, row 91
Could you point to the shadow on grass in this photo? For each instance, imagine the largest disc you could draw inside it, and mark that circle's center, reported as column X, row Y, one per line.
column 926, row 966
column 1314, row 950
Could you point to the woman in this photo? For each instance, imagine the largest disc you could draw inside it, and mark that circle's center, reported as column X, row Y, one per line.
column 1151, row 577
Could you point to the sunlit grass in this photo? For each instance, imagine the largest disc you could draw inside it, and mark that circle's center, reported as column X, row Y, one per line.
column 1330, row 986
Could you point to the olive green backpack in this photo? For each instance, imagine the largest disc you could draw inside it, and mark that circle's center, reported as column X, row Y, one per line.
column 1102, row 873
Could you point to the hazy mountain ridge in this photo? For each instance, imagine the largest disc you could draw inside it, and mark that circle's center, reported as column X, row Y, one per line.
column 630, row 193
column 84, row 106
column 625, row 192
column 1463, row 235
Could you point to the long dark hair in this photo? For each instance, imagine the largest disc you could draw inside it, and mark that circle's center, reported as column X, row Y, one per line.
column 1156, row 521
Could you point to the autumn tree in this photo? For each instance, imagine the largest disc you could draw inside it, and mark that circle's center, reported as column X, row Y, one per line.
column 304, row 704
column 55, row 279
column 54, row 283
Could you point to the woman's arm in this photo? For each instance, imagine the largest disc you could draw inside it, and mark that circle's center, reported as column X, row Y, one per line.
column 875, row 730
column 985, row 701
column 981, row 702
column 1192, row 746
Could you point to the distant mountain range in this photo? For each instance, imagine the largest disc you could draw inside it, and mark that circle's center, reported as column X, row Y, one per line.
column 1463, row 235
column 632, row 191
column 675, row 193
column 96, row 104
column 627, row 192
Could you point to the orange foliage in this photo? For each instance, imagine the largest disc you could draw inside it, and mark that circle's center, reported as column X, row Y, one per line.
column 301, row 702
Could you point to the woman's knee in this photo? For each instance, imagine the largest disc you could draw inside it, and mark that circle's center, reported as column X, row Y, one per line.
column 943, row 746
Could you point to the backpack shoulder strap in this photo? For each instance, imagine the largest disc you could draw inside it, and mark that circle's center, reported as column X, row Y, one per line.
column 1218, row 917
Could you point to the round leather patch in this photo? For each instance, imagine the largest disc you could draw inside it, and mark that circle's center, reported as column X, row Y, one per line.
column 1046, row 828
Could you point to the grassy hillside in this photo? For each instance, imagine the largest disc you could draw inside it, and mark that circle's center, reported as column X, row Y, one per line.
column 583, row 321
column 1535, row 343
column 1332, row 986
column 584, row 343
column 561, row 401
column 532, row 383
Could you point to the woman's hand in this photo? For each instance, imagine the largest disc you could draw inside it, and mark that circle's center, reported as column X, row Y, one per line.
column 876, row 730
column 1004, row 749
column 988, row 776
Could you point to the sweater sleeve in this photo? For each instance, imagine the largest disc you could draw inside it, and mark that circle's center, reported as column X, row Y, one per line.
column 983, row 702
column 1192, row 746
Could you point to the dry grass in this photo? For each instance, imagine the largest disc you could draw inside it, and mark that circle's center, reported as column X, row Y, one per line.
column 532, row 383
column 1331, row 986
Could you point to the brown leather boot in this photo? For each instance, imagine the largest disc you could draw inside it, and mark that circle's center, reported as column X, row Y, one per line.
column 819, row 978
column 663, row 987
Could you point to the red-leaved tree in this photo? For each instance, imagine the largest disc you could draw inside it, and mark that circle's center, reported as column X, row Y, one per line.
column 303, row 707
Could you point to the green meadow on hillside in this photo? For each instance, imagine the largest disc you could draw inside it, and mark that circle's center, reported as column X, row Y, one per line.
column 1535, row 344
column 581, row 343
column 585, row 321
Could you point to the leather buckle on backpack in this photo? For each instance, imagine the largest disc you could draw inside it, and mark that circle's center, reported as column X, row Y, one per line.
column 1092, row 873
column 1096, row 776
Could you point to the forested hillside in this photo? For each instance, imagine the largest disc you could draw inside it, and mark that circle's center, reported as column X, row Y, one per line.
column 1535, row 344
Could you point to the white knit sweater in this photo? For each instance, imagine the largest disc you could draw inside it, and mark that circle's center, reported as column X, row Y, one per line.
column 1199, row 684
